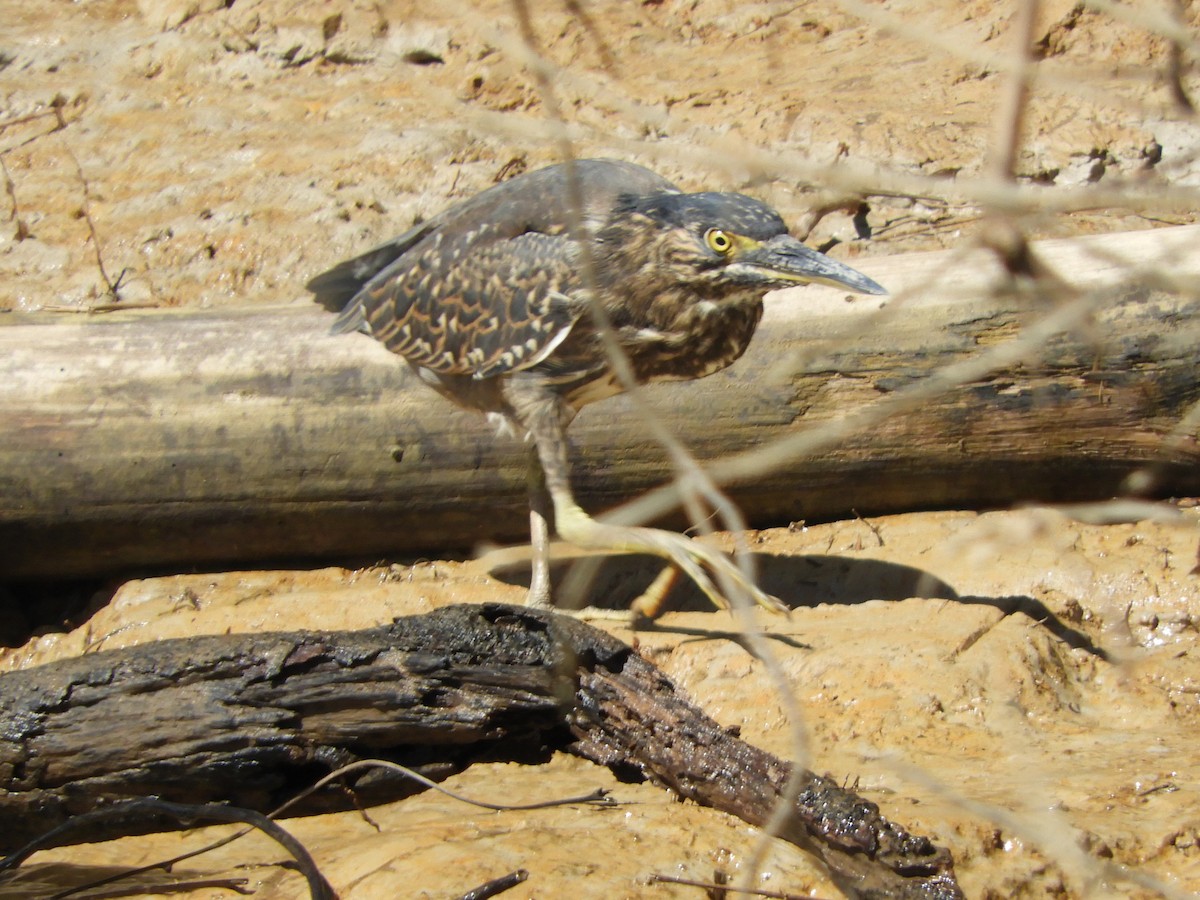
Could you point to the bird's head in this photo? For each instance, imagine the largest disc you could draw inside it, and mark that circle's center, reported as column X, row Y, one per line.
column 721, row 243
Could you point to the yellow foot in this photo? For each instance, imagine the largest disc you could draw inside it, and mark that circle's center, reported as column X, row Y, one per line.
column 690, row 557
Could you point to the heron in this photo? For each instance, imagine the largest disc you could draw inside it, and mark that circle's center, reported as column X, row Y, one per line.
column 493, row 301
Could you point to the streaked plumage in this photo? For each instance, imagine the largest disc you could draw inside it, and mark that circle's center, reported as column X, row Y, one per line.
column 487, row 301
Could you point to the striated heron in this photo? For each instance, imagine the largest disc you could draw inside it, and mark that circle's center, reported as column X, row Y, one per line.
column 488, row 302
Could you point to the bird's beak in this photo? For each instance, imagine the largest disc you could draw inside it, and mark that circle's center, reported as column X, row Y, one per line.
column 784, row 260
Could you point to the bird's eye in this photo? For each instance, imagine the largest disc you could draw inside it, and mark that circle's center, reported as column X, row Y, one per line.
column 718, row 241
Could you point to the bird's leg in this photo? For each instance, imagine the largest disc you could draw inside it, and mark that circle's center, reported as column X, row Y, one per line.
column 547, row 426
column 539, row 534
column 649, row 604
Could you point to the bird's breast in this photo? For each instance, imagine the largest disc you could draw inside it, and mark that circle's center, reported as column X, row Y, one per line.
column 700, row 339
column 705, row 338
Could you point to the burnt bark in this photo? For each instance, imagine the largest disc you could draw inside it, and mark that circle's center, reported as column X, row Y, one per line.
column 248, row 719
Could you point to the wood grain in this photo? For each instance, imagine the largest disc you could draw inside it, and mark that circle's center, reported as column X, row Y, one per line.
column 159, row 440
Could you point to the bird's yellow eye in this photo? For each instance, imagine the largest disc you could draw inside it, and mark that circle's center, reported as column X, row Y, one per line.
column 718, row 240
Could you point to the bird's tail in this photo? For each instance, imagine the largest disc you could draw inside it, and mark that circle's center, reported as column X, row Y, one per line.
column 352, row 318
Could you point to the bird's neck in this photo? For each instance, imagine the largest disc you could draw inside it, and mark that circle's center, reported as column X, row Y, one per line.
column 686, row 336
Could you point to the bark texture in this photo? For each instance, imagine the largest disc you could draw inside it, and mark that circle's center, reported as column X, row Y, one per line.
column 247, row 719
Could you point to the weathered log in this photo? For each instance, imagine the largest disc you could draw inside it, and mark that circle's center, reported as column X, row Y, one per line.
column 247, row 719
column 169, row 439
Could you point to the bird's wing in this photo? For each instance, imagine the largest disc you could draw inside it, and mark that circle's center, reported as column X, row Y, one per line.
column 536, row 202
column 335, row 288
column 502, row 306
column 491, row 284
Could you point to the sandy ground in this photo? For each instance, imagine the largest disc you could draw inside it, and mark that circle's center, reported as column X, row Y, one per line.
column 1018, row 685
column 1022, row 687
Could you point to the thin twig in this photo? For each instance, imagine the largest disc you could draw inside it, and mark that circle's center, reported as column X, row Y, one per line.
column 728, row 889
column 237, row 885
column 55, row 111
column 1014, row 98
column 496, row 886
column 114, row 287
column 184, row 813
column 98, row 307
column 33, row 117
column 874, row 528
column 598, row 797
column 1177, row 63
column 579, row 11
column 11, row 189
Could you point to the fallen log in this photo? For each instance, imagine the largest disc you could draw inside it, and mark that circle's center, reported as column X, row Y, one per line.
column 249, row 719
column 184, row 439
